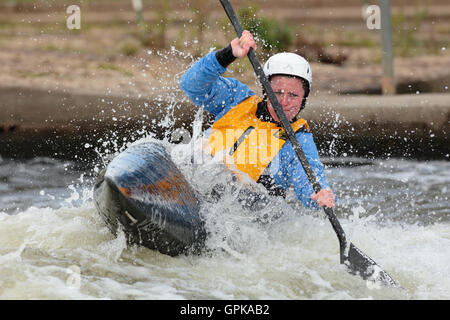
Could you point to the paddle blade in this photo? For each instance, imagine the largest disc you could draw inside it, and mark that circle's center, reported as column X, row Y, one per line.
column 360, row 264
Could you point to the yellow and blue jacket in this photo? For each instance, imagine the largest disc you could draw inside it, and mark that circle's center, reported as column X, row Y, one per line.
column 250, row 141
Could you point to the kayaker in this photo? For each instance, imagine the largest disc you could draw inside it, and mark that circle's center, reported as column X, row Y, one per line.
column 246, row 129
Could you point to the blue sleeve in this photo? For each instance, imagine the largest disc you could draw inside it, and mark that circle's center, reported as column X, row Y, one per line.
column 293, row 173
column 205, row 86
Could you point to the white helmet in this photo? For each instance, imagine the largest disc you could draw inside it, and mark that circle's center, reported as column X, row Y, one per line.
column 290, row 64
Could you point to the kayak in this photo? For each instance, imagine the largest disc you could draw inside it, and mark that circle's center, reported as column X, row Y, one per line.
column 144, row 194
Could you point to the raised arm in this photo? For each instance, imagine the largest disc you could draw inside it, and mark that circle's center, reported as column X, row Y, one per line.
column 204, row 84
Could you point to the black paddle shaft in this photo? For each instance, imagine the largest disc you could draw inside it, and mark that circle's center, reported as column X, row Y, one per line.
column 284, row 122
column 355, row 259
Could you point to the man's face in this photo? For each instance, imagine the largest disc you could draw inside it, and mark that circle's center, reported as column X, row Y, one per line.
column 289, row 92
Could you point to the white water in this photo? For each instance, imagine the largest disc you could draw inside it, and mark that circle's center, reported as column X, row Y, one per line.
column 66, row 251
column 54, row 245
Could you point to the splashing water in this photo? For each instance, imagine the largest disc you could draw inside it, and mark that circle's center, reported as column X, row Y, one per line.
column 54, row 245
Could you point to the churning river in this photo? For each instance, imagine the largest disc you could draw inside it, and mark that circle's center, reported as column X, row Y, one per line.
column 54, row 245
